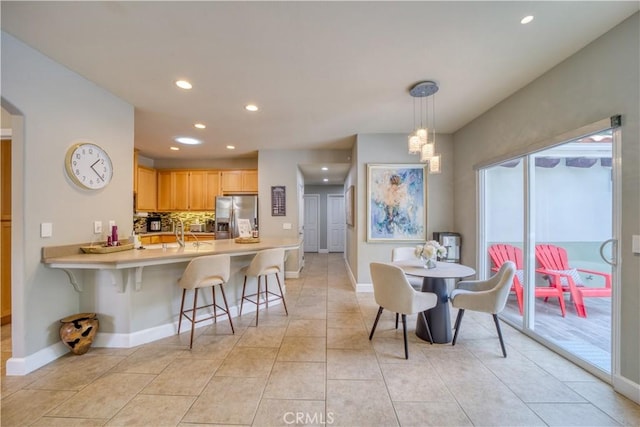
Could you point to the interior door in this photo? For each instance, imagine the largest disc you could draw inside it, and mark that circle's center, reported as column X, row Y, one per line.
column 335, row 223
column 311, row 222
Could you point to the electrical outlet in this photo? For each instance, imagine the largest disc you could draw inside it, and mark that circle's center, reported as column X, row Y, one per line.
column 97, row 227
column 286, row 226
column 46, row 229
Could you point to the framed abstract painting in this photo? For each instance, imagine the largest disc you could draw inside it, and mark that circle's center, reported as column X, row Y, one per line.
column 396, row 202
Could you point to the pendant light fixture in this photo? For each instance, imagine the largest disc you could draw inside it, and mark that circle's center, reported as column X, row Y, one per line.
column 423, row 139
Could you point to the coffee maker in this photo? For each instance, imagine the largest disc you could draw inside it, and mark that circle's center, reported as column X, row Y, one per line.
column 452, row 242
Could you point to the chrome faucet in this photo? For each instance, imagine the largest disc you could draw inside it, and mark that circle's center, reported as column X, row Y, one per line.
column 179, row 225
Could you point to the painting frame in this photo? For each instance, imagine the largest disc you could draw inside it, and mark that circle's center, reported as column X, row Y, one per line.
column 396, row 202
column 349, row 199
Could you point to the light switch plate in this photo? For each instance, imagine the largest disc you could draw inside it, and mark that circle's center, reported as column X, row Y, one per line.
column 46, row 229
column 97, row 227
column 635, row 244
column 286, row 226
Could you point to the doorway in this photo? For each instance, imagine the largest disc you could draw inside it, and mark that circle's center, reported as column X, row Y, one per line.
column 335, row 223
column 553, row 212
column 311, row 222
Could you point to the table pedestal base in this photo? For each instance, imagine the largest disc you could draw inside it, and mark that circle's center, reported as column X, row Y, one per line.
column 437, row 317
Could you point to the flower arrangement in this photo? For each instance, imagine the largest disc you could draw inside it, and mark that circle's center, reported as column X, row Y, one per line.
column 430, row 250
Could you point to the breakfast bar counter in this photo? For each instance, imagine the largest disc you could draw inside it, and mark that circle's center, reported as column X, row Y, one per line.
column 134, row 292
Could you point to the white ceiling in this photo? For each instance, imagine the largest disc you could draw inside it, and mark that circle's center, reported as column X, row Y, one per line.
column 321, row 72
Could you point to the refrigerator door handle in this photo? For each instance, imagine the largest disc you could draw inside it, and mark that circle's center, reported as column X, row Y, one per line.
column 232, row 222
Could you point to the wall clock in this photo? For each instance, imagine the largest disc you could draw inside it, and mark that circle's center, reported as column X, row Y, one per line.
column 88, row 166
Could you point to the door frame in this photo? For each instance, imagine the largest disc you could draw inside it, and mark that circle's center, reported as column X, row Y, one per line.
column 481, row 237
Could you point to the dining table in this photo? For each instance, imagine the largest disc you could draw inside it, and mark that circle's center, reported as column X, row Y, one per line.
column 434, row 280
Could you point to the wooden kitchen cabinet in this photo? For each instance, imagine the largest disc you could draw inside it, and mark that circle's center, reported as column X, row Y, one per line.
column 187, row 190
column 146, row 189
column 242, row 181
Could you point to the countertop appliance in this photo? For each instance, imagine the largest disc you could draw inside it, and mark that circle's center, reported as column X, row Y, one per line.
column 154, row 223
column 197, row 228
column 451, row 241
column 229, row 209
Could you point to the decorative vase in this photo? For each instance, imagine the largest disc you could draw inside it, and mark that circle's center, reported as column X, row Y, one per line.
column 429, row 262
column 77, row 331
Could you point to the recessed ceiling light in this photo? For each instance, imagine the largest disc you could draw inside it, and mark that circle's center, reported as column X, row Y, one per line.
column 188, row 141
column 526, row 19
column 231, row 147
column 325, row 179
column 251, row 107
column 174, row 148
column 183, row 84
column 324, row 168
column 199, row 126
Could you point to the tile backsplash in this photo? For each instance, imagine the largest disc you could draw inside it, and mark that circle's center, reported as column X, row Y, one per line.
column 167, row 218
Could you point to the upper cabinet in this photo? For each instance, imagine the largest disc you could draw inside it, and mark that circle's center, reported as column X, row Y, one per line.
column 146, row 189
column 184, row 190
column 244, row 181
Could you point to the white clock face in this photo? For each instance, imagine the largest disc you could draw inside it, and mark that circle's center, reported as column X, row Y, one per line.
column 89, row 166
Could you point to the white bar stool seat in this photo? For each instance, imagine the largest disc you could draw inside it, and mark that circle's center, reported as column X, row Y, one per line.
column 265, row 263
column 204, row 272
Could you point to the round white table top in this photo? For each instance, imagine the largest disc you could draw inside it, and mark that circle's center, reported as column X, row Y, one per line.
column 443, row 270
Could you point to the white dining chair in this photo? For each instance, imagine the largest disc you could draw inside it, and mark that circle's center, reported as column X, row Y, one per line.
column 486, row 296
column 392, row 291
column 407, row 253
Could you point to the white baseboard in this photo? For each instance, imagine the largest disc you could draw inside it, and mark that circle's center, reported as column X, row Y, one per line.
column 358, row 287
column 323, row 251
column 25, row 365
column 627, row 388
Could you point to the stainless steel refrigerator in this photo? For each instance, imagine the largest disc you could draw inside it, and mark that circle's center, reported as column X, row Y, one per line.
column 229, row 209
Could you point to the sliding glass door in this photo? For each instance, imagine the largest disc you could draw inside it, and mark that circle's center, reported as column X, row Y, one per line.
column 551, row 212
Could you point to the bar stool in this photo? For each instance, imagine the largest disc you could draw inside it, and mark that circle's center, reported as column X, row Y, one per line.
column 204, row 272
column 266, row 262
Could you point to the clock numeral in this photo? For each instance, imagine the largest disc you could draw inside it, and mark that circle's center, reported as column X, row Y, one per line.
column 78, row 156
column 77, row 171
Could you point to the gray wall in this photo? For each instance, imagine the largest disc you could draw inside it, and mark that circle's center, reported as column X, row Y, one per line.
column 392, row 148
column 54, row 108
column 323, row 191
column 599, row 81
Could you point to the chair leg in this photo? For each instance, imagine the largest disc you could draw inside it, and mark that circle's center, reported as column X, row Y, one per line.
column 497, row 322
column 375, row 323
column 457, row 326
column 258, row 301
column 213, row 297
column 193, row 318
column 184, row 291
column 226, row 306
column 404, row 334
column 397, row 315
column 426, row 324
column 244, row 287
column 266, row 291
column 282, row 295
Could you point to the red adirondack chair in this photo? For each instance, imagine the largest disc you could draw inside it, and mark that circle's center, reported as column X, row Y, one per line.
column 501, row 253
column 555, row 265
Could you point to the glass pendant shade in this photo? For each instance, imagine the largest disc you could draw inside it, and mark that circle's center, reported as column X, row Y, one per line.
column 414, row 144
column 427, row 151
column 434, row 164
column 422, row 134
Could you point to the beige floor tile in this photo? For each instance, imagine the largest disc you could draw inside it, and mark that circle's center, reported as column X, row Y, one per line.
column 296, row 380
column 70, row 422
column 279, row 412
column 307, row 328
column 227, row 400
column 78, row 375
column 438, row 414
column 359, row 403
column 344, row 319
column 417, row 382
column 348, row 338
column 303, row 349
column 149, row 360
column 606, row 399
column 248, row 362
column 183, row 377
column 558, row 366
column 360, row 364
column 391, row 350
column 104, row 397
column 27, row 406
column 211, row 347
column 572, row 414
column 153, row 410
column 262, row 336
